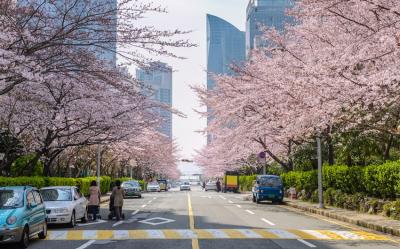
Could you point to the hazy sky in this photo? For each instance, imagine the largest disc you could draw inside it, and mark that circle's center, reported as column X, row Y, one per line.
column 191, row 15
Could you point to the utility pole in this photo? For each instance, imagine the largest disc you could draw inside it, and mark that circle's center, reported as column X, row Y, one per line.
column 98, row 163
column 319, row 156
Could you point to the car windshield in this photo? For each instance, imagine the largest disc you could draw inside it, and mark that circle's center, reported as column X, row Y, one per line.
column 270, row 181
column 186, row 183
column 153, row 184
column 129, row 185
column 11, row 198
column 211, row 183
column 56, row 194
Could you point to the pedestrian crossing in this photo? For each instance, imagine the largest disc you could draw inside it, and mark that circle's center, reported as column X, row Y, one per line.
column 213, row 234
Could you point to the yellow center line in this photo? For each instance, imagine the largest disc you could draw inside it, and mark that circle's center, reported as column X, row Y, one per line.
column 195, row 242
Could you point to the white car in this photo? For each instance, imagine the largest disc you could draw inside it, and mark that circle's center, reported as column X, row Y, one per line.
column 185, row 186
column 211, row 186
column 64, row 204
column 153, row 187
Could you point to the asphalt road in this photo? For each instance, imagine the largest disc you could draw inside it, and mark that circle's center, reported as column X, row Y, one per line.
column 197, row 219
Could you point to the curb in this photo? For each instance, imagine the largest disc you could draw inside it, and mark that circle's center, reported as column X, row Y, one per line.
column 358, row 222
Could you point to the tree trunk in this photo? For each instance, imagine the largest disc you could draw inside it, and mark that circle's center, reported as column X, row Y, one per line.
column 386, row 155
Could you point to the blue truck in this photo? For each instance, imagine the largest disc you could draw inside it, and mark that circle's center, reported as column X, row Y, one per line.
column 268, row 187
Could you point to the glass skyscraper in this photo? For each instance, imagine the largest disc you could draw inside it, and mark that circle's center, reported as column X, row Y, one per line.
column 270, row 13
column 225, row 47
column 159, row 80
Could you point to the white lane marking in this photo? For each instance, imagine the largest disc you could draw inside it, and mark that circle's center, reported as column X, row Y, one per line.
column 238, row 206
column 316, row 234
column 134, row 213
column 61, row 235
column 118, row 223
column 155, row 234
column 87, row 244
column 223, row 198
column 217, row 233
column 121, row 234
column 89, row 234
column 250, row 212
column 144, row 205
column 154, row 198
column 268, row 222
column 348, row 235
column 249, row 233
column 230, row 201
column 307, row 243
column 283, row 234
column 91, row 223
column 149, row 201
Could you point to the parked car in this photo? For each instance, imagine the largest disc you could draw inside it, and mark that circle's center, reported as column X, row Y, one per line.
column 268, row 187
column 163, row 184
column 211, row 185
column 132, row 189
column 64, row 205
column 185, row 186
column 153, row 187
column 22, row 215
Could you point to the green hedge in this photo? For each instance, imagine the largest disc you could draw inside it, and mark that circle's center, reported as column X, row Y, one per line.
column 380, row 181
column 246, row 182
column 40, row 182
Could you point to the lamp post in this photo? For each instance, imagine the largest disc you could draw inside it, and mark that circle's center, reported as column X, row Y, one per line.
column 319, row 157
column 98, row 163
column 262, row 159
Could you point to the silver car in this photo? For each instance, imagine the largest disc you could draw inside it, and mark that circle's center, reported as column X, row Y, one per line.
column 64, row 204
column 132, row 189
column 153, row 187
column 211, row 186
column 185, row 186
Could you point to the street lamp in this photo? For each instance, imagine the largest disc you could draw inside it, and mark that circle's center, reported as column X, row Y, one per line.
column 98, row 162
column 319, row 157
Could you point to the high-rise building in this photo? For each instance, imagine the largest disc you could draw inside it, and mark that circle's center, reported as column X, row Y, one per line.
column 159, row 81
column 269, row 13
column 225, row 47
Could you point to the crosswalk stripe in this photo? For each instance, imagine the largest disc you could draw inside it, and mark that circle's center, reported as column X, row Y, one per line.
column 213, row 234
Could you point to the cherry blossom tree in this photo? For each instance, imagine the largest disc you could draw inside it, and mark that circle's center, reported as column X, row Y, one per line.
column 336, row 67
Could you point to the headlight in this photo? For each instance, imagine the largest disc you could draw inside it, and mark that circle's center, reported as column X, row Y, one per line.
column 280, row 191
column 60, row 210
column 11, row 220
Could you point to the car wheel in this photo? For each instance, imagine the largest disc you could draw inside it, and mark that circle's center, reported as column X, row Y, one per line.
column 73, row 220
column 84, row 219
column 258, row 200
column 24, row 242
column 43, row 234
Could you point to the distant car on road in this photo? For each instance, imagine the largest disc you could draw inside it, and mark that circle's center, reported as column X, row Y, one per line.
column 163, row 184
column 268, row 187
column 185, row 186
column 153, row 187
column 22, row 215
column 132, row 189
column 211, row 185
column 64, row 205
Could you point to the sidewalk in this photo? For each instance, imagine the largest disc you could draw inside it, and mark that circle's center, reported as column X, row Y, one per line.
column 374, row 222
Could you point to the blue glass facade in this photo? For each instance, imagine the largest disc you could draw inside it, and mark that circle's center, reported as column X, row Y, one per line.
column 270, row 13
column 225, row 46
column 159, row 80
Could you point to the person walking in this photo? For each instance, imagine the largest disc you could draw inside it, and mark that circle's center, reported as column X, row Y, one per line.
column 94, row 200
column 118, row 196
column 218, row 185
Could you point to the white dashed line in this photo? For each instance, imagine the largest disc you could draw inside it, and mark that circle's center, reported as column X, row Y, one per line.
column 268, row 222
column 307, row 243
column 144, row 205
column 238, row 206
column 134, row 213
column 250, row 212
column 223, row 198
column 230, row 201
column 87, row 244
column 154, row 198
column 117, row 223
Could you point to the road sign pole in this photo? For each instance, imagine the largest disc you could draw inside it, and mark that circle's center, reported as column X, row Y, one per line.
column 320, row 193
